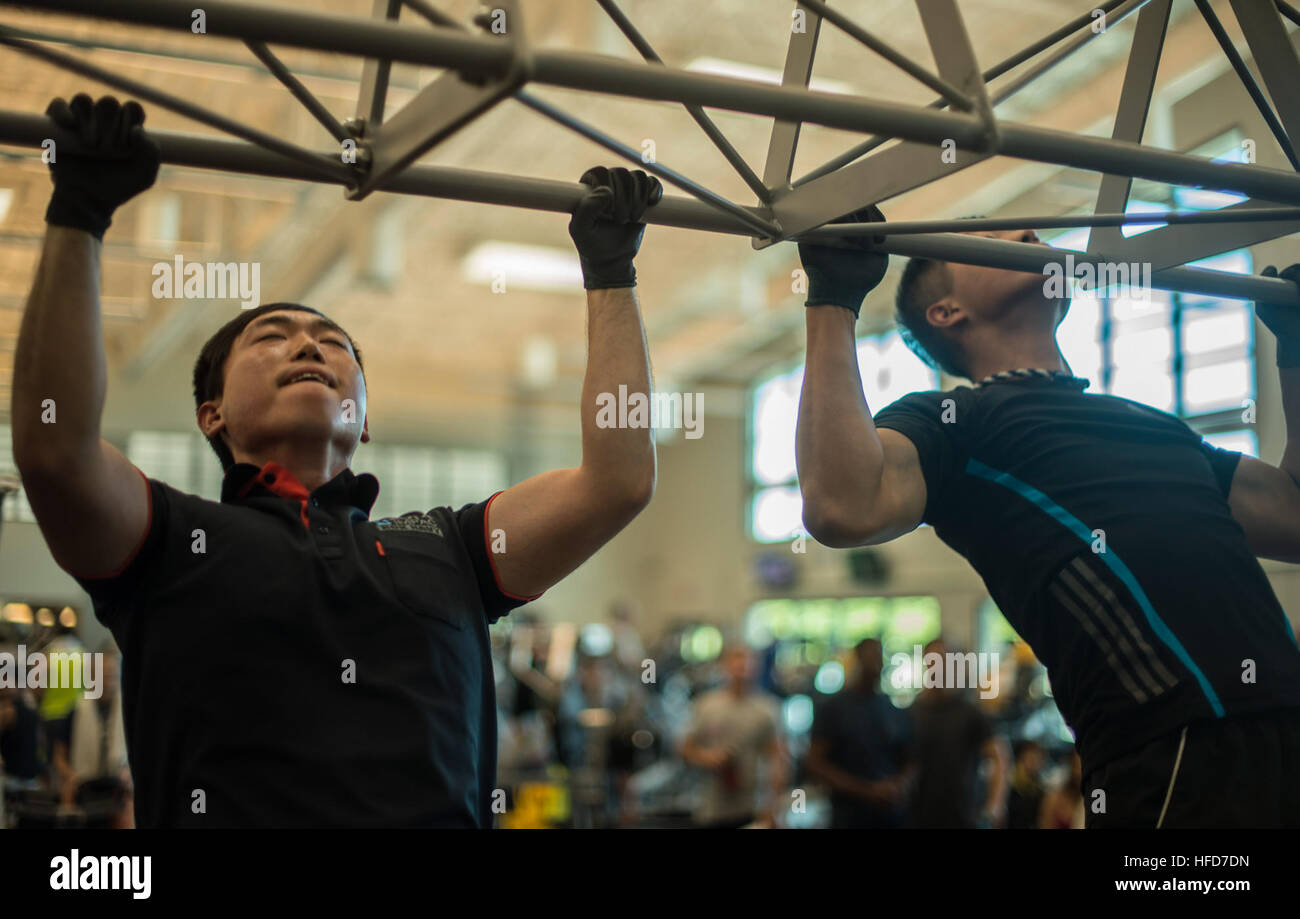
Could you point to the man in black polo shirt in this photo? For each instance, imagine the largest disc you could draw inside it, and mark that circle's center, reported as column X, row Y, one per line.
column 286, row 660
column 1117, row 542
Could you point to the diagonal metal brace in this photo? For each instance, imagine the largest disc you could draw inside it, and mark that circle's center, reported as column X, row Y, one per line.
column 906, row 165
column 443, row 107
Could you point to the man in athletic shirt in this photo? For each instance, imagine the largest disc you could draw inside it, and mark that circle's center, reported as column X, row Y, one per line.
column 287, row 661
column 1118, row 543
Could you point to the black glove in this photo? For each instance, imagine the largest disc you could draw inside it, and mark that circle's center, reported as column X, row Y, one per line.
column 606, row 225
column 844, row 276
column 113, row 162
column 1283, row 321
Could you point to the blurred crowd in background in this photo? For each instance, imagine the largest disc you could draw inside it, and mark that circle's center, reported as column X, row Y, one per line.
column 704, row 728
column 698, row 729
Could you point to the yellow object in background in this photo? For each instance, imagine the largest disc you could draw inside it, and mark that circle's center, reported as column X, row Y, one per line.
column 538, row 806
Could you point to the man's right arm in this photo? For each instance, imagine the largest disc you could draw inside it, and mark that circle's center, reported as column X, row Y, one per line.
column 860, row 486
column 91, row 503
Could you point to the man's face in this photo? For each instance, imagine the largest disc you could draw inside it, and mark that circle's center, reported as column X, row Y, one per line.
column 261, row 406
column 739, row 665
column 871, row 662
column 984, row 293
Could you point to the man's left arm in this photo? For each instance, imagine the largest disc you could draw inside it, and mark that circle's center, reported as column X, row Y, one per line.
column 555, row 521
column 1265, row 499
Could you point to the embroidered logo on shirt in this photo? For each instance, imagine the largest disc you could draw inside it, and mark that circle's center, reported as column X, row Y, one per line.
column 420, row 523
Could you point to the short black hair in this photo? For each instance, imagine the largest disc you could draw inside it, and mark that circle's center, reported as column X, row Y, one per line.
column 210, row 368
column 924, row 282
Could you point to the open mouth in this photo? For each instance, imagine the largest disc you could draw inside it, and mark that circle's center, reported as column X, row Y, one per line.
column 308, row 378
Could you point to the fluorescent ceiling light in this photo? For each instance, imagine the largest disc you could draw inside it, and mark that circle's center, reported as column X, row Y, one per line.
column 521, row 266
column 739, row 71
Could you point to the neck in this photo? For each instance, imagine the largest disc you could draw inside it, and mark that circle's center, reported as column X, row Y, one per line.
column 1016, row 352
column 307, row 463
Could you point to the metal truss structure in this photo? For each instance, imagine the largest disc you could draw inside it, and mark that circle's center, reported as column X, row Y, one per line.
column 491, row 59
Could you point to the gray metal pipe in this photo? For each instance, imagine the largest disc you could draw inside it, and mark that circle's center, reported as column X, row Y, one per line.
column 1068, row 221
column 1036, row 257
column 1098, row 154
column 275, row 24
column 475, row 54
column 561, row 197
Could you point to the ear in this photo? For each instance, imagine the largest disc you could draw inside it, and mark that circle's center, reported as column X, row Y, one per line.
column 945, row 313
column 365, row 430
column 209, row 417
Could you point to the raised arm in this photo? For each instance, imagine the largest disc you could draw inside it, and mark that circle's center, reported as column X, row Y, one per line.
column 90, row 502
column 859, row 485
column 1265, row 499
column 555, row 521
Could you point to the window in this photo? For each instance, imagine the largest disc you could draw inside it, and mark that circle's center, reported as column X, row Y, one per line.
column 815, row 638
column 419, row 478
column 410, row 478
column 889, row 371
column 184, row 460
column 15, row 503
column 1187, row 354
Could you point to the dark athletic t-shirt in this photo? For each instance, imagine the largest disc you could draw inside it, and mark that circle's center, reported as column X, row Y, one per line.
column 950, row 735
column 868, row 737
column 289, row 662
column 1102, row 530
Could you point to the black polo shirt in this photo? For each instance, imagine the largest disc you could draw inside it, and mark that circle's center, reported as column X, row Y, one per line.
column 1102, row 530
column 286, row 661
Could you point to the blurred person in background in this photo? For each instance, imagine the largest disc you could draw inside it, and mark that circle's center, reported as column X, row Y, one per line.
column 57, row 703
column 953, row 739
column 1025, row 799
column 92, row 764
column 860, row 748
column 629, row 650
column 733, row 735
column 598, row 708
column 20, row 745
column 24, row 772
column 1063, row 807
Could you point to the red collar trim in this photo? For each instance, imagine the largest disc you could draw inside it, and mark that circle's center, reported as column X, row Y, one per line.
column 277, row 479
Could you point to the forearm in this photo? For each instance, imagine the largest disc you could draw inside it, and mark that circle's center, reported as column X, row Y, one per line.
column 996, row 799
column 837, row 450
column 1289, row 377
column 777, row 780
column 60, row 354
column 691, row 753
column 833, row 777
column 619, row 462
